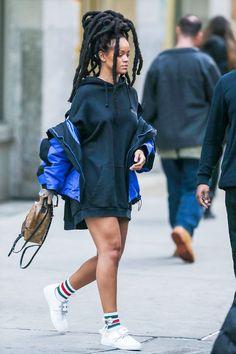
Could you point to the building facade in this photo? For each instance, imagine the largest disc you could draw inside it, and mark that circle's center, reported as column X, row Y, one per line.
column 39, row 44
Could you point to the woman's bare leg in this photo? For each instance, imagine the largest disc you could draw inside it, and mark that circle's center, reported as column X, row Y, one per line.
column 123, row 224
column 105, row 232
column 86, row 274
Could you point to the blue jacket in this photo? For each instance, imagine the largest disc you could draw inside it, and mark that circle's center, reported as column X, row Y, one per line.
column 61, row 169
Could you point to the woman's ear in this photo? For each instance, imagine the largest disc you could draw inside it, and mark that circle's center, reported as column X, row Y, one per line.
column 101, row 55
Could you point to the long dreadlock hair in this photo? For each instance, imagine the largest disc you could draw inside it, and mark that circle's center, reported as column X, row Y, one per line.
column 100, row 28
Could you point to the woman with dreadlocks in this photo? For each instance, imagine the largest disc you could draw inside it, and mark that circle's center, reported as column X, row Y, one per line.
column 91, row 159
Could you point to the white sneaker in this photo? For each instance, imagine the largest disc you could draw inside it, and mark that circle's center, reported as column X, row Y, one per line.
column 58, row 309
column 119, row 339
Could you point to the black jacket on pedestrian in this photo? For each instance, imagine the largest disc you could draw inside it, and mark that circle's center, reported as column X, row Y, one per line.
column 221, row 129
column 177, row 96
column 215, row 46
column 226, row 341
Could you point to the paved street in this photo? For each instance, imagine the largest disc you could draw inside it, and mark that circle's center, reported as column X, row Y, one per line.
column 170, row 306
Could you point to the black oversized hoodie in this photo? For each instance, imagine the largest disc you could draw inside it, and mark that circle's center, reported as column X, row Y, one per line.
column 107, row 121
column 89, row 166
column 105, row 118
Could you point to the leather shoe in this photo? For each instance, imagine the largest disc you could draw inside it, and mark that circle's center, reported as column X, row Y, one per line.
column 183, row 241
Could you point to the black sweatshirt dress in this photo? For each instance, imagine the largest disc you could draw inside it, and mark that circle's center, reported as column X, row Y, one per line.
column 106, row 122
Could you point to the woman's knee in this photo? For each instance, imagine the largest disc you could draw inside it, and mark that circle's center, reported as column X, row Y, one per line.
column 107, row 237
column 111, row 251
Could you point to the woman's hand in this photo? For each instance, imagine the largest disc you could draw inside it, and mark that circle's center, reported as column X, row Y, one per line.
column 46, row 194
column 139, row 159
column 203, row 195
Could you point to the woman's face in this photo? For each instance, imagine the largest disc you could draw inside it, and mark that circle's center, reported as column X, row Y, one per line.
column 122, row 58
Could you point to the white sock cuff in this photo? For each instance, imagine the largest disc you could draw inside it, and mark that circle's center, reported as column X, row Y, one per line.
column 68, row 281
column 109, row 314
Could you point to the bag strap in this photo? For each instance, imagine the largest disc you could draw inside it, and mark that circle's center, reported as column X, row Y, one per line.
column 49, row 208
column 14, row 245
column 32, row 234
column 38, row 247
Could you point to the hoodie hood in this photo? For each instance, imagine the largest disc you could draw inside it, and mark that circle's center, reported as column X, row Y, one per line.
column 98, row 98
column 108, row 88
column 94, row 80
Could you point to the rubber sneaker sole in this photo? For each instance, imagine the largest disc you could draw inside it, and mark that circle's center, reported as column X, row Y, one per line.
column 107, row 342
column 183, row 242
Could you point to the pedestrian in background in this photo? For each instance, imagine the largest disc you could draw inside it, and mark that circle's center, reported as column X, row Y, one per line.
column 220, row 44
column 91, row 159
column 176, row 100
column 221, row 128
column 225, row 342
column 221, row 131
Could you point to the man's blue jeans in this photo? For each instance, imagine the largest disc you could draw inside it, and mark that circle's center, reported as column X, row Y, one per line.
column 184, row 209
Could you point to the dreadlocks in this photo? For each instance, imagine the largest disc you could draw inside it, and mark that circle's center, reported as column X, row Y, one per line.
column 100, row 28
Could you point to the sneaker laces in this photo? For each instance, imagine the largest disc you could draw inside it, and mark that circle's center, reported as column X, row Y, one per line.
column 123, row 331
column 64, row 306
column 121, row 334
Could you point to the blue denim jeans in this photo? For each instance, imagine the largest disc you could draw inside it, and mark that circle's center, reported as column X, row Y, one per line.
column 181, row 175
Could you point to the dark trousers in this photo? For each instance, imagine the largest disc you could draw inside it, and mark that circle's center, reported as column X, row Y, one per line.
column 181, row 175
column 230, row 202
column 225, row 343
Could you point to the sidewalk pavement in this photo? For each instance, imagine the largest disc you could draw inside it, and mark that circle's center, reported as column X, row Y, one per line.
column 172, row 307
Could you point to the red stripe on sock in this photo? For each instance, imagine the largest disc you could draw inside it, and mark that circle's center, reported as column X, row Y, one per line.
column 115, row 321
column 64, row 289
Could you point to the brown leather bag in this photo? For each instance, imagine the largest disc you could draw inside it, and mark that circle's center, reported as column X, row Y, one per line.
column 36, row 223
column 34, row 229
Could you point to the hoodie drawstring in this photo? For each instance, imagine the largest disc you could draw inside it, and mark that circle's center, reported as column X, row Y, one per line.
column 106, row 93
column 107, row 97
column 130, row 103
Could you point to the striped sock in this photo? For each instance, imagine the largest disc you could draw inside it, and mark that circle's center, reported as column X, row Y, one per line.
column 64, row 290
column 111, row 320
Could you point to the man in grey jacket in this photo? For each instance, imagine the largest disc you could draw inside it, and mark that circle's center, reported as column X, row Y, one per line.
column 176, row 100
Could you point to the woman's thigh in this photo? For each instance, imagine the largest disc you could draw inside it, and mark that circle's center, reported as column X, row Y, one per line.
column 124, row 224
column 105, row 232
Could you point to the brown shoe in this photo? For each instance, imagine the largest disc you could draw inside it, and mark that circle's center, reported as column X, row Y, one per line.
column 183, row 241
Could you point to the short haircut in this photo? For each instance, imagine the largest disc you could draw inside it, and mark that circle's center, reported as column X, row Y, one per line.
column 190, row 25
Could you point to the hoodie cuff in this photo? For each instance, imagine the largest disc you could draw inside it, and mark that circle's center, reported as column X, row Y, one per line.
column 144, row 150
column 203, row 179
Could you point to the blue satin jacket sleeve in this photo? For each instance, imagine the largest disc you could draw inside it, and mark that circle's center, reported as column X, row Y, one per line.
column 55, row 167
column 150, row 155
